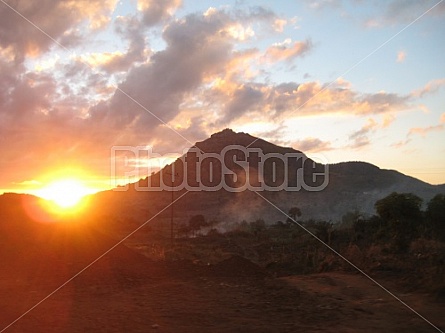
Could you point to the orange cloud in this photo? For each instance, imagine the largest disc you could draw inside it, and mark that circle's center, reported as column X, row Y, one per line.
column 239, row 32
column 423, row 131
column 401, row 144
column 286, row 51
column 360, row 138
column 388, row 119
column 431, row 87
column 401, row 56
column 312, row 145
column 279, row 24
column 97, row 12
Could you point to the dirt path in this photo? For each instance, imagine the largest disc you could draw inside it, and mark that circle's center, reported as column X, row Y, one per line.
column 184, row 298
column 355, row 304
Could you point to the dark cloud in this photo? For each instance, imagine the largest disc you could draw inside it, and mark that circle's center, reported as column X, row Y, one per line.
column 237, row 100
column 244, row 99
column 133, row 32
column 196, row 48
column 56, row 19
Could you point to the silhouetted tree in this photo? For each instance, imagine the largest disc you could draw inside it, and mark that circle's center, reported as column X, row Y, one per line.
column 350, row 218
column 293, row 213
column 435, row 215
column 184, row 230
column 322, row 229
column 402, row 213
column 258, row 226
column 196, row 222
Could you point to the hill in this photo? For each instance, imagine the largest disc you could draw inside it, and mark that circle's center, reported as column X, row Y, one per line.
column 232, row 177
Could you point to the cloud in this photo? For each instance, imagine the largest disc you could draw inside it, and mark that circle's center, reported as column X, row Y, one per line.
column 279, row 24
column 237, row 101
column 423, row 131
column 69, row 114
column 360, row 142
column 401, row 144
column 368, row 127
column 388, row 120
column 312, row 145
column 360, row 138
column 430, row 88
column 401, row 56
column 403, row 12
column 286, row 50
column 28, row 183
column 196, row 47
column 206, row 77
column 156, row 11
column 244, row 98
column 380, row 14
column 323, row 4
column 57, row 19
column 199, row 51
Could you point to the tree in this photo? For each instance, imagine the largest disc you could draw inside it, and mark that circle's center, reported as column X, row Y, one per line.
column 196, row 222
column 402, row 213
column 435, row 215
column 349, row 219
column 323, row 230
column 293, row 213
column 184, row 230
column 258, row 226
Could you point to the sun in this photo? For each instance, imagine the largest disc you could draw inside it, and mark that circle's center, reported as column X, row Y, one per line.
column 65, row 193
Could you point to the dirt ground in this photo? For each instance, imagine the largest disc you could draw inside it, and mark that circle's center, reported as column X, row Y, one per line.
column 123, row 292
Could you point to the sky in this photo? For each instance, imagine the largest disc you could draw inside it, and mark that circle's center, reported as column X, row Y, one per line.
column 346, row 80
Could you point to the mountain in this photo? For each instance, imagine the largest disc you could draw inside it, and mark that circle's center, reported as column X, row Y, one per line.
column 231, row 177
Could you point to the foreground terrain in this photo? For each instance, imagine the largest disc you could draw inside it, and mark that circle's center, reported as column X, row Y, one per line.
column 70, row 277
column 233, row 296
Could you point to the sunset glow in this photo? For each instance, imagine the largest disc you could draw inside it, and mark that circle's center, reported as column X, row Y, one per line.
column 352, row 80
column 66, row 193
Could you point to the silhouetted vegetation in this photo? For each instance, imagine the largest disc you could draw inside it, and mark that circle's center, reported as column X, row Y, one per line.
column 402, row 214
column 401, row 238
column 435, row 217
column 294, row 212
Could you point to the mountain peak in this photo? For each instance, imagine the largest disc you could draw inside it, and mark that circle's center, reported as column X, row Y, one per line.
column 224, row 133
column 218, row 141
